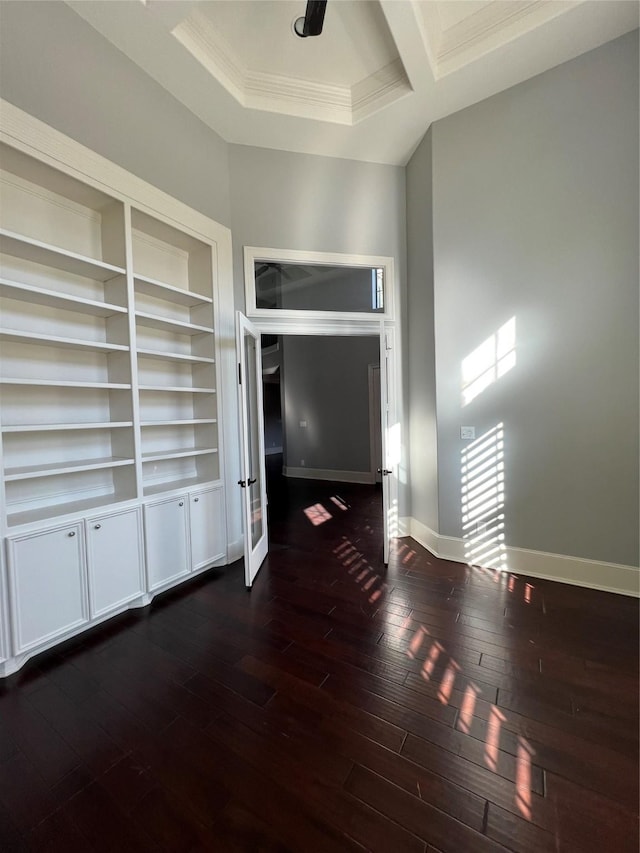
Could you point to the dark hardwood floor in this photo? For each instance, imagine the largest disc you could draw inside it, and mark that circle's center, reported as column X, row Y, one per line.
column 337, row 706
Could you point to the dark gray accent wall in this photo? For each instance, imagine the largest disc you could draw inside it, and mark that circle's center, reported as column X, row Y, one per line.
column 56, row 67
column 423, row 452
column 535, row 216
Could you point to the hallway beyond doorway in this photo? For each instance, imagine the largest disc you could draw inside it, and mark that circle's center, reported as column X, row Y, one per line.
column 307, row 514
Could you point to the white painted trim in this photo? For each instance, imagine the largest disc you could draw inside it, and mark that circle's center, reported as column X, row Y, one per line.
column 379, row 89
column 32, row 136
column 235, row 550
column 335, row 259
column 494, row 26
column 281, row 323
column 364, row 477
column 294, row 96
column 197, row 35
column 578, row 571
column 51, row 198
column 342, row 323
column 282, row 93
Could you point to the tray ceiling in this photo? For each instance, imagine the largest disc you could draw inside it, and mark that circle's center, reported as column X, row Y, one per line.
column 370, row 85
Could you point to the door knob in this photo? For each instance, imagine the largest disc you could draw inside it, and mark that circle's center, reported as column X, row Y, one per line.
column 97, row 526
column 195, row 500
column 72, row 533
column 385, row 471
column 251, row 482
column 242, row 483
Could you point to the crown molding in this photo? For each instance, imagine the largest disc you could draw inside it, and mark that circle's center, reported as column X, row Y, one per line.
column 307, row 98
column 487, row 29
column 197, row 35
column 379, row 89
column 477, row 27
column 285, row 94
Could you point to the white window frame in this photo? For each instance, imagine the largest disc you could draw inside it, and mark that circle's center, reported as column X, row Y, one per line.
column 333, row 259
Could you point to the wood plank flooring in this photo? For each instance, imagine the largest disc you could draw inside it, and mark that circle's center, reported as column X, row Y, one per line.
column 338, row 706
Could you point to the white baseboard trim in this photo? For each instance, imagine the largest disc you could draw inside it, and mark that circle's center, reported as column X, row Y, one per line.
column 609, row 577
column 365, row 477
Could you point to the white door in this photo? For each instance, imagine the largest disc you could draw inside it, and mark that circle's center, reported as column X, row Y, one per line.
column 375, row 421
column 253, row 476
column 387, row 472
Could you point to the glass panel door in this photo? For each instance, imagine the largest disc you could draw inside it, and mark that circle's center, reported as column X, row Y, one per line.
column 253, row 479
column 386, row 470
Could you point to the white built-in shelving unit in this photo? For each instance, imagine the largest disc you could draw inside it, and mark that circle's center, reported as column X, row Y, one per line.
column 65, row 348
column 109, row 404
column 176, row 356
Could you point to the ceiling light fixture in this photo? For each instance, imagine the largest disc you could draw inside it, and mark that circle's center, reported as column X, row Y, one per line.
column 311, row 24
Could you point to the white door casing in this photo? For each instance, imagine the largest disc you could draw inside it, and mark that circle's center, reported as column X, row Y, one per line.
column 382, row 326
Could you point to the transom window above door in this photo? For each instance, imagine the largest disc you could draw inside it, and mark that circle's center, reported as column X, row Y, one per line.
column 317, row 283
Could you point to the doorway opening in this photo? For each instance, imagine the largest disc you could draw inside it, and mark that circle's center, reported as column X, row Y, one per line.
column 322, row 431
column 293, row 294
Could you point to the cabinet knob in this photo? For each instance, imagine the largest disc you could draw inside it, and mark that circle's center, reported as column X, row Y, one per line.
column 97, row 527
column 195, row 500
column 72, row 533
column 181, row 503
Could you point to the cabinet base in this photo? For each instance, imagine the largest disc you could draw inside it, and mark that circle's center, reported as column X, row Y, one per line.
column 13, row 664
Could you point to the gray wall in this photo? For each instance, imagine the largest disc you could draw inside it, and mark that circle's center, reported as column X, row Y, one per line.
column 283, row 200
column 535, row 215
column 300, row 201
column 326, row 384
column 423, row 451
column 59, row 69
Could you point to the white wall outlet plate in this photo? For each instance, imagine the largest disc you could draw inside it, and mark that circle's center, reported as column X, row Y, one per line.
column 467, row 433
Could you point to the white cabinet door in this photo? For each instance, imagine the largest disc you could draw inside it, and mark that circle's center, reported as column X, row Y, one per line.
column 115, row 560
column 48, row 590
column 167, row 540
column 4, row 615
column 206, row 515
